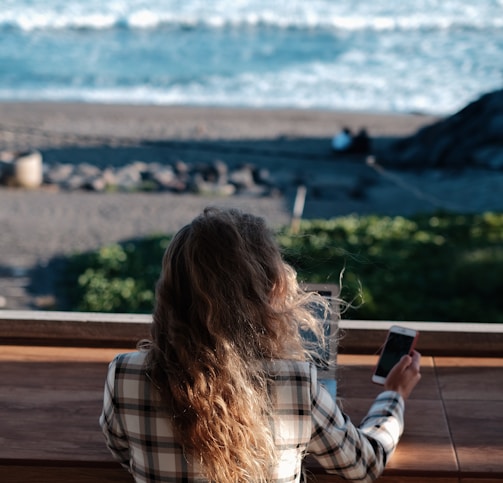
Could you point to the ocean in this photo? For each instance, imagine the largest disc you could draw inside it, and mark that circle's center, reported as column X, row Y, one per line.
column 422, row 56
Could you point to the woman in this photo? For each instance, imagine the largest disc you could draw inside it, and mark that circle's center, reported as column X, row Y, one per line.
column 226, row 391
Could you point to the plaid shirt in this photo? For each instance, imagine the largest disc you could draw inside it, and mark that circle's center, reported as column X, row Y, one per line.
column 306, row 421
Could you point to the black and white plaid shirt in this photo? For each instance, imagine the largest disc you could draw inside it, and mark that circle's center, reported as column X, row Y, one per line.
column 306, row 421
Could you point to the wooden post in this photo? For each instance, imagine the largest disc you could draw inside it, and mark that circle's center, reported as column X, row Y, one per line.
column 298, row 208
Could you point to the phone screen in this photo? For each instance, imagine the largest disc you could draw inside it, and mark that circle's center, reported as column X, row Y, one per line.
column 397, row 345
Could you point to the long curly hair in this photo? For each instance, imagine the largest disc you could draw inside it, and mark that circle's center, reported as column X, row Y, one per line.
column 225, row 302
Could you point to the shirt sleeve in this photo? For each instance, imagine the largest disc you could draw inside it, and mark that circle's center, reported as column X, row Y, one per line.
column 355, row 453
column 115, row 437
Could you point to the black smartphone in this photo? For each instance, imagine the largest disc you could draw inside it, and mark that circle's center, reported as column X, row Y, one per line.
column 399, row 342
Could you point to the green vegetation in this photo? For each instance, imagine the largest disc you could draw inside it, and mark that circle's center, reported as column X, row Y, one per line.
column 116, row 278
column 442, row 267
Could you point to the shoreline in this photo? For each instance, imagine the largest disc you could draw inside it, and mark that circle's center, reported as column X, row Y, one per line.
column 122, row 123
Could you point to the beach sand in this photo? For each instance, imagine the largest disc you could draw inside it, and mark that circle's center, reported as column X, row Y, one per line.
column 293, row 145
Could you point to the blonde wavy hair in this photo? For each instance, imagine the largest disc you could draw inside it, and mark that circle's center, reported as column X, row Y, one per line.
column 225, row 302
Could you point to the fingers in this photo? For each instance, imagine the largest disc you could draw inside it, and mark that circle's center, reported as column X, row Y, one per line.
column 416, row 360
column 405, row 375
column 414, row 367
column 413, row 361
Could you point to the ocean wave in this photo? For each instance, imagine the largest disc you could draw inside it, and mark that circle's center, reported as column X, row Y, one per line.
column 145, row 19
column 313, row 88
column 254, row 53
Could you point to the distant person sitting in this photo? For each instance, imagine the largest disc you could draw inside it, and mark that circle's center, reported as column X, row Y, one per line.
column 346, row 142
column 227, row 391
column 361, row 143
column 343, row 140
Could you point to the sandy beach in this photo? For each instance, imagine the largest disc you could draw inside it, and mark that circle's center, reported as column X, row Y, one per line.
column 293, row 145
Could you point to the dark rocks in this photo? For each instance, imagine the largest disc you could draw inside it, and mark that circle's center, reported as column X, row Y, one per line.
column 471, row 137
column 215, row 178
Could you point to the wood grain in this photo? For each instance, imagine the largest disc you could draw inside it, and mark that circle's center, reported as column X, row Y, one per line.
column 51, row 397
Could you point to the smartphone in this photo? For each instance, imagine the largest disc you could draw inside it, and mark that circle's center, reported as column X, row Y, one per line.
column 399, row 342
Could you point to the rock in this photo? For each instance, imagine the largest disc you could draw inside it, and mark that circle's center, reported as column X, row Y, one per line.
column 129, row 177
column 214, row 178
column 73, row 182
column 109, row 177
column 473, row 136
column 182, row 168
column 87, row 170
column 222, row 171
column 163, row 176
column 203, row 187
column 98, row 183
column 262, row 176
column 58, row 173
column 489, row 156
column 243, row 177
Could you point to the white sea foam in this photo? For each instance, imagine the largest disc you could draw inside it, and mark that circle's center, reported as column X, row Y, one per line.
column 346, row 15
column 414, row 55
column 314, row 89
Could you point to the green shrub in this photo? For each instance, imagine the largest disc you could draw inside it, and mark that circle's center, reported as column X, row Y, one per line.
column 116, row 278
column 441, row 267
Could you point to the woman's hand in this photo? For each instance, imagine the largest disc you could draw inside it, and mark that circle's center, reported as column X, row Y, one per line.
column 405, row 375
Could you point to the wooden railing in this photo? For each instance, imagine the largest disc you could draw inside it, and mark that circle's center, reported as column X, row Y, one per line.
column 53, row 364
column 87, row 329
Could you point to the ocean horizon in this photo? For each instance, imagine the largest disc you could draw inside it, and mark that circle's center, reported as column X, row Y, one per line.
column 427, row 56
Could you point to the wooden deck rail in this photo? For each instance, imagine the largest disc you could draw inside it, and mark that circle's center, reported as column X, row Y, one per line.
column 86, row 329
column 52, row 368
